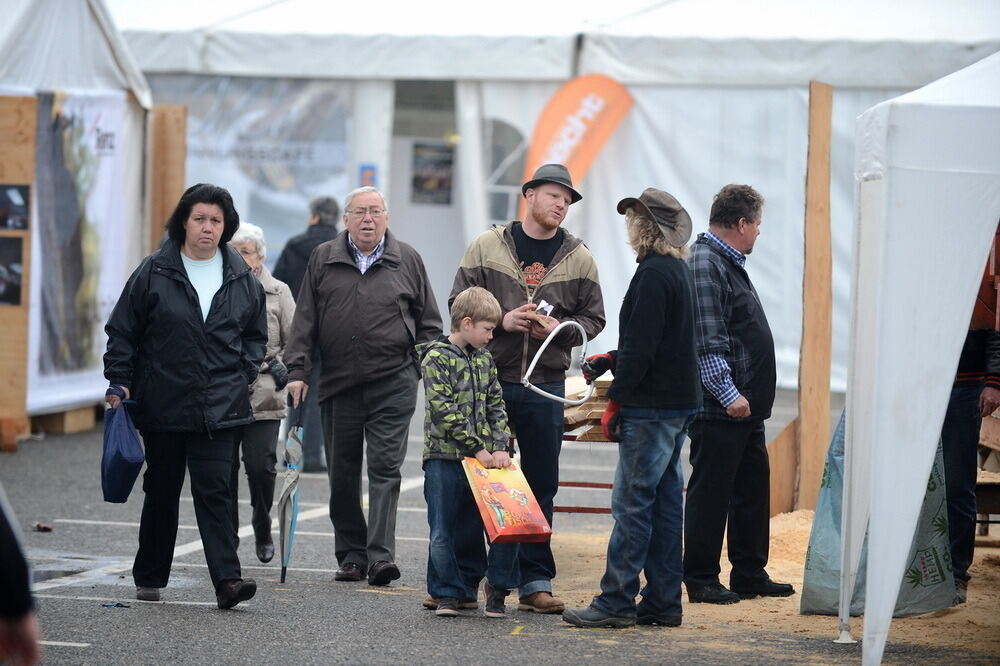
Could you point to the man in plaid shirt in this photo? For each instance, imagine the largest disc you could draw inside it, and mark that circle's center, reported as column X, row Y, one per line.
column 730, row 479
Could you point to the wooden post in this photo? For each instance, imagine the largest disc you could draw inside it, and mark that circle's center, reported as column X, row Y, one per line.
column 18, row 118
column 782, row 453
column 165, row 165
column 817, row 300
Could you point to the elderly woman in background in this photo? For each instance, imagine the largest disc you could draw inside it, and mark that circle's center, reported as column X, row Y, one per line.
column 267, row 395
column 185, row 340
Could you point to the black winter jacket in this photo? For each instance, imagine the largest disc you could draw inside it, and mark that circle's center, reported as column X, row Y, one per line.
column 291, row 266
column 656, row 364
column 186, row 374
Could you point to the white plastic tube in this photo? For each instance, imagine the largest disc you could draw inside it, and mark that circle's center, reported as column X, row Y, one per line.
column 583, row 355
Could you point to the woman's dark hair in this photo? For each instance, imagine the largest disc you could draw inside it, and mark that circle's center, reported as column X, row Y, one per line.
column 206, row 194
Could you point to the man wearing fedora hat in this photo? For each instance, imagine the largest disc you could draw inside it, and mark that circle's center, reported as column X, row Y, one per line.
column 653, row 399
column 521, row 264
column 730, row 477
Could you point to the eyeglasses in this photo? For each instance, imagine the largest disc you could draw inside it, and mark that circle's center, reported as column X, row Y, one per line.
column 374, row 211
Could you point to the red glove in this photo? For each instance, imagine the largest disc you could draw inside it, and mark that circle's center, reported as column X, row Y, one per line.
column 611, row 422
column 596, row 365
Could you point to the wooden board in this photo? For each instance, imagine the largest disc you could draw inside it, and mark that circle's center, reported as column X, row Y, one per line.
column 783, row 457
column 165, row 165
column 817, row 303
column 18, row 118
column 69, row 421
column 989, row 434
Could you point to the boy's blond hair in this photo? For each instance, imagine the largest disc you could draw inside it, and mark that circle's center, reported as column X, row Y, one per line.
column 477, row 304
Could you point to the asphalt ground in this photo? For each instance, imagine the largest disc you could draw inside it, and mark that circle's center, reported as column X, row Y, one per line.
column 82, row 570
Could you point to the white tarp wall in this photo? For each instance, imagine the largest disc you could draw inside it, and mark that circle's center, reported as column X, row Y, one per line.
column 86, row 207
column 928, row 173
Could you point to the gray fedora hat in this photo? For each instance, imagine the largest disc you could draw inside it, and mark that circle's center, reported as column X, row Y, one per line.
column 665, row 210
column 552, row 173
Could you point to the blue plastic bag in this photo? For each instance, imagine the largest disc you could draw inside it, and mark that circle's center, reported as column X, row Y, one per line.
column 123, row 456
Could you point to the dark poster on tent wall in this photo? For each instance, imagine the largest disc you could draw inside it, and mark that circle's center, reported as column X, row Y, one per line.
column 11, row 266
column 14, row 213
column 432, row 173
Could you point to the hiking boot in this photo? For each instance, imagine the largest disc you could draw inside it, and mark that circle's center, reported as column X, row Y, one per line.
column 447, row 607
column 495, row 606
column 541, row 602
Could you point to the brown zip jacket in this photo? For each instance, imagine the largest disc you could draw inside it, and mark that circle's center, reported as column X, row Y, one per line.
column 571, row 285
column 364, row 325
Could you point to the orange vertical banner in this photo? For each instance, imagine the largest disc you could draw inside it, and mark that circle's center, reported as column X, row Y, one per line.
column 575, row 125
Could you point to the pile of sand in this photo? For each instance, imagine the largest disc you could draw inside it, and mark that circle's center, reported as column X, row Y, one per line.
column 976, row 624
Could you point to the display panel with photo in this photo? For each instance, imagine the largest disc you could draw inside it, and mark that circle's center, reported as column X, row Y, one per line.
column 14, row 213
column 11, row 268
column 432, row 172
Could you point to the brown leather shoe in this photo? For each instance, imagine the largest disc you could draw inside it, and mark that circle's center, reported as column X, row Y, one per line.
column 349, row 572
column 541, row 602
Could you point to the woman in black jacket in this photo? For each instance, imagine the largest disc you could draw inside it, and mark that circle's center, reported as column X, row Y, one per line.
column 184, row 341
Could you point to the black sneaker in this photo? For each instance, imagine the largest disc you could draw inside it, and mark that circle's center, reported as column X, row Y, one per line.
column 447, row 607
column 495, row 606
column 716, row 593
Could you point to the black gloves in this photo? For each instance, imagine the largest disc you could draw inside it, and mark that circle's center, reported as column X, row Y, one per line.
column 597, row 365
column 279, row 372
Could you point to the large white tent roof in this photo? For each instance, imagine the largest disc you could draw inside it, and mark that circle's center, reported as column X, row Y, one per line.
column 879, row 43
column 55, row 45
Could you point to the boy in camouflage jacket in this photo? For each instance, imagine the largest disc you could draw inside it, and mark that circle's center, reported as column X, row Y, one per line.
column 464, row 416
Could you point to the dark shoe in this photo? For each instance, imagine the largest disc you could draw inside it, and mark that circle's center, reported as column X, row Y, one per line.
column 541, row 602
column 265, row 551
column 147, row 593
column 231, row 592
column 447, row 607
column 350, row 572
column 495, row 606
column 591, row 617
column 765, row 588
column 656, row 619
column 468, row 603
column 383, row 573
column 716, row 593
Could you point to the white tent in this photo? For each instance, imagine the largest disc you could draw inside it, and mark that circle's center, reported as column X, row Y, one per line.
column 928, row 182
column 88, row 191
column 720, row 91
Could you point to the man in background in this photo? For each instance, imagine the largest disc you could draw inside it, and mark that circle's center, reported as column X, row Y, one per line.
column 291, row 266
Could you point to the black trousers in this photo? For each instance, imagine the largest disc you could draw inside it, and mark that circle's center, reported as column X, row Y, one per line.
column 209, row 461
column 260, row 443
column 730, row 481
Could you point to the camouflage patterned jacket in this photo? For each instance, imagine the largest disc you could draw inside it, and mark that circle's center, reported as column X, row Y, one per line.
column 464, row 410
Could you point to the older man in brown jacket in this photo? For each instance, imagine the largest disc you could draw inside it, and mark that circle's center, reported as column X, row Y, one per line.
column 365, row 301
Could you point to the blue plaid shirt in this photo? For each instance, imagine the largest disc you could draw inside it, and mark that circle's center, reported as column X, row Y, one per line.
column 716, row 375
column 363, row 261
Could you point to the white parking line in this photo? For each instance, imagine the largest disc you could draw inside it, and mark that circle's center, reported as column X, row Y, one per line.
column 63, row 644
column 194, row 546
column 130, row 601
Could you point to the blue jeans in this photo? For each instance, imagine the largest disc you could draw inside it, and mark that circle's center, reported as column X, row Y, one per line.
column 456, row 557
column 537, row 423
column 960, row 443
column 648, row 509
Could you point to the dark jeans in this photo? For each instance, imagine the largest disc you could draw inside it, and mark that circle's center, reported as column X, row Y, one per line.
column 369, row 421
column 537, row 423
column 456, row 556
column 730, row 479
column 313, row 456
column 209, row 460
column 260, row 441
column 960, row 441
column 648, row 507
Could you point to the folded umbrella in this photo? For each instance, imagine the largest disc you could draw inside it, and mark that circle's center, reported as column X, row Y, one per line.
column 288, row 502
